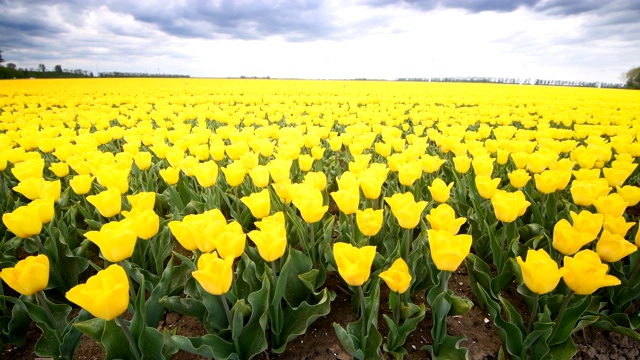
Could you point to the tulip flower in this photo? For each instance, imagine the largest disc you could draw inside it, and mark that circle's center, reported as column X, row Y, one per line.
column 81, row 184
column 617, row 225
column 585, row 192
column 258, row 203
column 409, row 172
column 540, row 273
column 49, row 190
column 519, row 178
column 143, row 160
column 347, row 181
column 483, row 165
column 431, row 163
column 354, row 264
column 198, row 231
column 440, row 191
column 108, row 202
column 214, row 274
column 28, row 169
column 116, row 239
column 508, row 206
column 613, row 204
column 487, row 186
column 280, row 169
column 60, row 169
column 283, row 190
column 305, row 162
column 234, row 174
column 23, row 221
column 616, row 177
column 547, row 182
column 271, row 239
column 587, row 174
column 147, row 222
column 316, row 179
column 462, row 164
column 397, row 277
column 143, row 200
column 567, row 239
column 405, row 209
column 587, row 223
column 310, row 205
column 637, row 239
column 347, row 200
column 448, row 250
column 114, row 178
column 29, row 187
column 613, row 247
column 28, row 276
column 371, row 181
column 630, row 194
column 45, row 209
column 260, row 176
column 105, row 295
column 369, row 221
column 230, row 242
column 206, row 173
column 444, row 218
column 170, row 175
column 585, row 273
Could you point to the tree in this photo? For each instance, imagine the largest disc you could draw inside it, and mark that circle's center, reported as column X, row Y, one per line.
column 58, row 69
column 633, row 78
column 1, row 59
column 42, row 68
column 11, row 66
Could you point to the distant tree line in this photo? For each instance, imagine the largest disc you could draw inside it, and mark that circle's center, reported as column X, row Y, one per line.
column 12, row 71
column 501, row 80
column 118, row 74
column 633, row 78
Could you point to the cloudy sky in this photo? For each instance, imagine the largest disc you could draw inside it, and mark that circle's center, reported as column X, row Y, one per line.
column 590, row 40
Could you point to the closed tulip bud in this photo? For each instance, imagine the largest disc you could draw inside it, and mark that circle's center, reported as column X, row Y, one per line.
column 369, row 221
column 613, row 247
column 30, row 187
column 616, row 177
column 230, row 241
column 142, row 200
column 405, row 209
column 462, row 164
column 260, row 176
column 483, row 166
column 23, row 221
column 317, row 152
column 520, row 159
column 508, row 206
column 214, row 274
column 271, row 239
column 335, row 143
column 184, row 233
column 487, row 186
column 81, row 184
column 443, row 217
column 630, row 194
column 310, row 205
column 409, row 173
column 108, row 202
column 585, row 273
column 143, row 160
column 147, row 222
column 206, row 173
column 347, row 181
column 170, row 175
column 568, row 240
column 538, row 162
column 45, row 209
column 234, row 174
column 371, row 182
column 547, row 182
column 354, row 264
column 448, row 250
column 613, row 204
column 28, row 276
column 617, row 225
column 587, row 223
column 347, row 200
column 585, row 192
column 60, row 169
column 440, row 191
column 587, row 174
column 431, row 163
column 28, row 169
column 258, row 203
column 49, row 190
column 502, row 156
column 305, row 162
column 114, row 178
column 519, row 178
column 316, row 179
column 540, row 273
column 116, row 239
column 397, row 277
column 280, row 169
column 382, row 149
column 105, row 295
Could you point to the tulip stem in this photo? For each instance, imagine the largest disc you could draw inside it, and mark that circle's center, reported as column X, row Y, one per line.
column 132, row 343
column 534, row 312
column 561, row 313
column 407, row 244
column 443, row 281
column 363, row 316
column 396, row 311
column 312, row 242
column 43, row 301
column 226, row 309
column 39, row 243
column 634, row 273
column 275, row 305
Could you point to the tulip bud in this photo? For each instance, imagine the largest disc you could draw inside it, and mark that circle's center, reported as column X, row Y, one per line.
column 354, row 264
column 105, row 295
column 29, row 275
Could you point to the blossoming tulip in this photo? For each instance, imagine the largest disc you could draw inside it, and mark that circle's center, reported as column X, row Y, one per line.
column 206, row 173
column 409, row 172
column 28, row 169
column 23, row 221
column 444, row 218
column 585, row 192
column 258, row 203
column 547, row 182
column 397, row 277
column 214, row 274
column 147, row 222
column 567, row 239
column 587, row 223
column 29, row 187
column 114, row 178
column 613, row 247
column 271, row 239
column 354, row 264
column 305, row 162
column 143, row 160
column 613, row 204
column 260, row 176
column 448, row 250
column 585, row 273
column 45, row 209
column 234, row 173
column 347, row 200
column 540, row 273
column 519, row 178
column 29, row 275
column 369, row 221
column 60, row 169
column 617, row 225
column 230, row 242
column 486, row 186
column 81, row 184
column 483, row 165
column 310, row 205
column 170, row 175
column 142, row 200
column 371, row 181
column 630, row 194
column 108, row 202
column 280, row 169
column 462, row 164
column 405, row 209
column 440, row 191
column 116, row 239
column 105, row 295
column 508, row 206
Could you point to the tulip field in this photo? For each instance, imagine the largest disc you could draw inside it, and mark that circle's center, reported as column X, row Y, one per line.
column 251, row 206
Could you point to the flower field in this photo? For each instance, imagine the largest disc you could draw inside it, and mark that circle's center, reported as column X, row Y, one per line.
column 234, row 202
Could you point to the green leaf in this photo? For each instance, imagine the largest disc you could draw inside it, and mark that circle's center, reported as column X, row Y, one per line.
column 349, row 342
column 184, row 306
column 253, row 339
column 154, row 310
column 109, row 335
column 619, row 323
column 566, row 326
column 563, row 351
column 450, row 349
column 71, row 335
column 151, row 344
column 289, row 284
column 510, row 334
column 209, row 346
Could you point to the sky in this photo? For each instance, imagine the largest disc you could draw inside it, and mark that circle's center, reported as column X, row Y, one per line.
column 586, row 40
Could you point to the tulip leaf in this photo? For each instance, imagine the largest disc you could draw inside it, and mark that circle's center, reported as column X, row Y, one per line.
column 66, row 265
column 93, row 225
column 184, row 306
column 563, row 351
column 479, row 276
column 154, row 310
column 253, row 340
column 289, row 286
column 71, row 335
column 348, row 341
column 510, row 334
column 109, row 335
column 216, row 319
column 309, row 279
column 15, row 331
column 619, row 323
column 567, row 324
column 151, row 345
column 209, row 346
column 450, row 349
column 398, row 334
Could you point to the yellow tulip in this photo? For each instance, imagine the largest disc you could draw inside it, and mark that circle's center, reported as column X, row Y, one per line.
column 81, row 184
column 108, row 202
column 305, row 162
column 567, row 239
column 616, row 177
column 612, row 204
column 587, row 174
column 184, row 233
column 310, row 204
column 28, row 169
column 585, row 273
column 448, row 250
column 147, row 222
column 335, row 143
column 114, row 178
column 508, row 206
column 258, row 203
column 617, row 225
column 206, row 173
column 440, row 191
column 519, row 178
column 547, row 182
column 116, row 239
column 431, row 163
column 462, row 164
column 483, row 165
column 23, row 221
column 60, row 169
column 347, row 181
column 45, row 209
column 369, row 221
column 587, row 223
column 354, row 264
column 397, row 277
column 538, row 162
column 520, row 159
column 316, row 179
column 444, row 218
column 280, row 169
column 585, row 192
column 30, row 187
column 486, row 186
column 613, row 247
column 234, row 173
column 143, row 160
column 170, row 175
column 283, row 190
column 49, row 190
column 347, row 200
column 409, row 173
column 231, row 240
column 143, row 200
column 405, row 209
column 105, row 295
column 630, row 194
column 214, row 274
column 637, row 239
column 28, row 276
column 260, row 176
column 539, row 272
column 371, row 181
column 271, row 239
column 317, row 152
